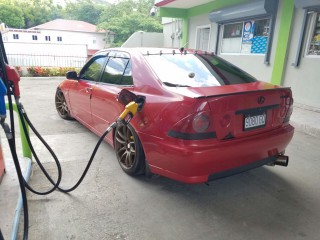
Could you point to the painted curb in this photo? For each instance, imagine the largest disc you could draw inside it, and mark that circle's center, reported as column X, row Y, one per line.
column 16, row 221
column 305, row 128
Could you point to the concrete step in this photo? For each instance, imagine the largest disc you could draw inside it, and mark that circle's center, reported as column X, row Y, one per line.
column 306, row 121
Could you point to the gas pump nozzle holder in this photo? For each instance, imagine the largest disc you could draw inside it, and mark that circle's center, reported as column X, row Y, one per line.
column 14, row 78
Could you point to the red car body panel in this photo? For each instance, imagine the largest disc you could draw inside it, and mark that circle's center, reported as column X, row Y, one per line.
column 79, row 99
column 191, row 161
column 194, row 163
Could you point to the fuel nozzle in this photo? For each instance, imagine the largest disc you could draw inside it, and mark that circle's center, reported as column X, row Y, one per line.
column 128, row 113
column 133, row 104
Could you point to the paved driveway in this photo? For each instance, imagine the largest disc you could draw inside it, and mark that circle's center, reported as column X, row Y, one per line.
column 266, row 203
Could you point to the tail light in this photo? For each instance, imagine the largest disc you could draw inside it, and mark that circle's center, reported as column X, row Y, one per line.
column 287, row 106
column 194, row 127
column 290, row 110
column 200, row 123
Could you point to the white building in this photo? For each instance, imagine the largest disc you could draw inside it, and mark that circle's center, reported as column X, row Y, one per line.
column 55, row 43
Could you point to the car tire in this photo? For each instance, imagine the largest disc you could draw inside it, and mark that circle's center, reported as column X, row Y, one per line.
column 129, row 150
column 61, row 105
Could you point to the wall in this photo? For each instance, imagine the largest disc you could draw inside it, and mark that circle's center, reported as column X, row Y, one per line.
column 92, row 40
column 254, row 64
column 171, row 32
column 198, row 21
column 24, row 35
column 144, row 39
column 304, row 79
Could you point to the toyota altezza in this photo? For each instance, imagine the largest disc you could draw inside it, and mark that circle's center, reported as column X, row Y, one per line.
column 203, row 118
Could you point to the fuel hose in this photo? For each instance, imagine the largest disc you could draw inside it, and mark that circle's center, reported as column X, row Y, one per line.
column 130, row 111
column 10, row 134
column 11, row 88
column 56, row 185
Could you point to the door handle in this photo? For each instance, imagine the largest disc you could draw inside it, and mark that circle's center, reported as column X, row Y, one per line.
column 88, row 89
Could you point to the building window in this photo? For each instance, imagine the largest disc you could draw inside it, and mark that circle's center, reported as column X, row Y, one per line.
column 314, row 41
column 59, row 39
column 34, row 37
column 48, row 38
column 246, row 37
column 15, row 36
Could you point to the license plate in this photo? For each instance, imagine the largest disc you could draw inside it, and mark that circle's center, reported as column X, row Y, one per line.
column 254, row 121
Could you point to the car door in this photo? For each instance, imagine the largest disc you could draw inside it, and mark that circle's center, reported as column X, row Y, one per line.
column 81, row 91
column 116, row 76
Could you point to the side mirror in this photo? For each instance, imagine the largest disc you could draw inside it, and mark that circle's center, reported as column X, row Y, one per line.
column 72, row 75
column 125, row 97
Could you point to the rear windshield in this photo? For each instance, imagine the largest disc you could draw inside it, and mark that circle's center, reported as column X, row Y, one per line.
column 196, row 70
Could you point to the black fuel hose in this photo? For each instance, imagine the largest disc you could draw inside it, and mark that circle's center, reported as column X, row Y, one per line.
column 56, row 185
column 22, row 189
column 20, row 179
column 10, row 134
column 24, row 117
column 1, row 236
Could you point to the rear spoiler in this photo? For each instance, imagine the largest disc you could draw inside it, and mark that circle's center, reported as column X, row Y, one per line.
column 244, row 92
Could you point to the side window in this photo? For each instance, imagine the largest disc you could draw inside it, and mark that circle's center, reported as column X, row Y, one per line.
column 127, row 76
column 93, row 69
column 117, row 71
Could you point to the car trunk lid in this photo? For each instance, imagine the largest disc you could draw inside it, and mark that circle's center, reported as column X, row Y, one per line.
column 246, row 109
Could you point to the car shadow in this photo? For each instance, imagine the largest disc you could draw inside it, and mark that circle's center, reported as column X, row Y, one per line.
column 261, row 198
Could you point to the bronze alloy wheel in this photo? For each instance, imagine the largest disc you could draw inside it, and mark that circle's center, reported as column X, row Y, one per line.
column 61, row 105
column 128, row 150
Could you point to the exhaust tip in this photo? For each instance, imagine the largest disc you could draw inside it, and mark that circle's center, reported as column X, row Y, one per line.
column 282, row 160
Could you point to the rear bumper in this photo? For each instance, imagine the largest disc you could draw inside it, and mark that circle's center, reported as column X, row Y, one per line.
column 241, row 169
column 202, row 161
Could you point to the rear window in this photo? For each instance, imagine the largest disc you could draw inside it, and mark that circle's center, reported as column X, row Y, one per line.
column 196, row 70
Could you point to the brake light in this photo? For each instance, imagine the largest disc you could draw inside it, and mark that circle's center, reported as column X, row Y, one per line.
column 194, row 127
column 200, row 123
column 287, row 105
column 290, row 110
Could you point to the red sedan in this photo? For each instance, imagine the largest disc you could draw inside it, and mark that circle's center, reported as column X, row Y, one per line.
column 203, row 118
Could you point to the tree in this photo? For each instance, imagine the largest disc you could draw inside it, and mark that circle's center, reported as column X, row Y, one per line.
column 84, row 10
column 11, row 15
column 127, row 17
column 39, row 11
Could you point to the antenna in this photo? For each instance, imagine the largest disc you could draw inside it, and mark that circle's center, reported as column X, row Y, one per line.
column 182, row 48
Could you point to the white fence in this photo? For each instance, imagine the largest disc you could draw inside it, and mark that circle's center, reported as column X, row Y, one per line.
column 46, row 55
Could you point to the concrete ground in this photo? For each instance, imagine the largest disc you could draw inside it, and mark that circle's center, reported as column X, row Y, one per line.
column 265, row 203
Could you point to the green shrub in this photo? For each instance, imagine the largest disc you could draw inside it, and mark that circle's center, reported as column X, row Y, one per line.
column 19, row 70
column 49, row 71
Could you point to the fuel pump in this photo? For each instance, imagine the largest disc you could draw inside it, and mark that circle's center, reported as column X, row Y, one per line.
column 6, row 89
column 9, row 85
column 3, row 92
